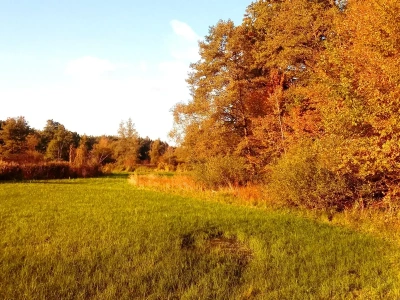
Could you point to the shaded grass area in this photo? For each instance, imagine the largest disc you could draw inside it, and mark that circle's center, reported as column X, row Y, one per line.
column 105, row 239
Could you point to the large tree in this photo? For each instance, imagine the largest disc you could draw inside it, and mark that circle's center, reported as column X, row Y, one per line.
column 250, row 94
column 227, row 93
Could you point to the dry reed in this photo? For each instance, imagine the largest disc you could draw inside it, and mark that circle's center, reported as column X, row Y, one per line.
column 178, row 183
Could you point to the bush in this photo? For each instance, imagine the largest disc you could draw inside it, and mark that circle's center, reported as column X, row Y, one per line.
column 220, row 171
column 10, row 171
column 50, row 170
column 299, row 178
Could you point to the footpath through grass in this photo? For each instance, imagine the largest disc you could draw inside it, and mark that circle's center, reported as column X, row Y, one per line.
column 104, row 239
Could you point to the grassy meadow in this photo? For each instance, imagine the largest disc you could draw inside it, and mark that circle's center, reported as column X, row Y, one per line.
column 106, row 239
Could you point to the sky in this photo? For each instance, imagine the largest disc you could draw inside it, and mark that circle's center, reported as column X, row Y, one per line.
column 91, row 64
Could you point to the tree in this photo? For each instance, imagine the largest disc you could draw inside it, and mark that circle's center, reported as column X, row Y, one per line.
column 82, row 152
column 60, row 140
column 224, row 96
column 157, row 151
column 13, row 136
column 47, row 134
column 126, row 148
column 102, row 151
column 360, row 75
column 144, row 149
column 251, row 83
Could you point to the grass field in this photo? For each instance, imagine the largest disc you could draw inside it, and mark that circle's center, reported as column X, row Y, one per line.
column 105, row 239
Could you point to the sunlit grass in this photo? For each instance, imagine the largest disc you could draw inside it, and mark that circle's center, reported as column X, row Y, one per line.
column 106, row 239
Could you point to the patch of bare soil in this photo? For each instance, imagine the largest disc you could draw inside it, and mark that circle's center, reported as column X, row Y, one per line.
column 218, row 243
column 230, row 246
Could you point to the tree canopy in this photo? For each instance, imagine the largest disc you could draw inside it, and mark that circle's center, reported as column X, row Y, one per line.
column 322, row 71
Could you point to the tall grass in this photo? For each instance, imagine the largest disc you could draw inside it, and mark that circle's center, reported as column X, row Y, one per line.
column 165, row 182
column 185, row 184
column 107, row 239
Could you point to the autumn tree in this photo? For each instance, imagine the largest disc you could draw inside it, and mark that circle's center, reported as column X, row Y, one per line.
column 249, row 89
column 102, row 151
column 14, row 137
column 226, row 96
column 157, row 150
column 169, row 156
column 58, row 140
column 82, row 152
column 127, row 146
column 289, row 39
column 361, row 80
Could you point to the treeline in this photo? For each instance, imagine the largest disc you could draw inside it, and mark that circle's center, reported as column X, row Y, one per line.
column 56, row 152
column 303, row 97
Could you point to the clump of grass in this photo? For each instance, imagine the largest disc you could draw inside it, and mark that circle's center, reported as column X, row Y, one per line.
column 185, row 184
column 164, row 182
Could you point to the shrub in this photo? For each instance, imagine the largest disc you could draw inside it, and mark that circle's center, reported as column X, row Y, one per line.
column 86, row 170
column 220, row 171
column 108, row 168
column 49, row 170
column 10, row 171
column 299, row 178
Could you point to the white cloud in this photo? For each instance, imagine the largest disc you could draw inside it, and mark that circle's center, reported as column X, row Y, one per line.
column 89, row 67
column 183, row 44
column 184, row 30
column 104, row 95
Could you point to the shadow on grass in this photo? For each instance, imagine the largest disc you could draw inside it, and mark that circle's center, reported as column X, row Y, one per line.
column 66, row 180
column 54, row 181
column 45, row 181
column 117, row 175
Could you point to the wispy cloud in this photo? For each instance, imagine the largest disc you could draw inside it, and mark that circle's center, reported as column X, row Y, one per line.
column 183, row 48
column 184, row 30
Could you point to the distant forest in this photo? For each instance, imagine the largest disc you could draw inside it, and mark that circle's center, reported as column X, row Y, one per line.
column 23, row 144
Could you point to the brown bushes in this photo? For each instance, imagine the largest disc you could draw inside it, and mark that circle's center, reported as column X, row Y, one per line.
column 47, row 170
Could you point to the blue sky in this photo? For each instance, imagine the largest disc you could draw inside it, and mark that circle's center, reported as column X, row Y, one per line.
column 90, row 64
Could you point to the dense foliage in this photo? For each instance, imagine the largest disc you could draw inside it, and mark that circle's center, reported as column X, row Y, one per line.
column 293, row 73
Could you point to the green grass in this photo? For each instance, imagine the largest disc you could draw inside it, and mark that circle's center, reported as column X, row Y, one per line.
column 104, row 239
